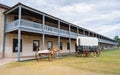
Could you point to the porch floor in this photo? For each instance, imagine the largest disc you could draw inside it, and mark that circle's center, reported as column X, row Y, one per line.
column 14, row 59
column 26, row 58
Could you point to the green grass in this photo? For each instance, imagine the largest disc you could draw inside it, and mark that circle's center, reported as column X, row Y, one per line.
column 107, row 64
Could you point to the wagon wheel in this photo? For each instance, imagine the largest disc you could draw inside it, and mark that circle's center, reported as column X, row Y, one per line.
column 97, row 52
column 49, row 56
column 86, row 53
column 54, row 54
column 77, row 53
column 37, row 56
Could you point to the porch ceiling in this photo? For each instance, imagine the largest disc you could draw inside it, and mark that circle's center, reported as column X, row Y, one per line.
column 27, row 13
column 37, row 34
column 26, row 33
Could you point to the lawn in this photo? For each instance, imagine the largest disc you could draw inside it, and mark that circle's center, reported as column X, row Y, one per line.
column 107, row 64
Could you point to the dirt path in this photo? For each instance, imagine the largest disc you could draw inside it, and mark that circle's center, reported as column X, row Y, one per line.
column 42, row 68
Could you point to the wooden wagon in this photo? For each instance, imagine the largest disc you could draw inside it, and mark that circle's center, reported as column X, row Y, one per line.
column 51, row 53
column 86, row 46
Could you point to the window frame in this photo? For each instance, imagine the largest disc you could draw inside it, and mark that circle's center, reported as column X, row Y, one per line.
column 61, row 47
column 68, row 46
column 51, row 43
column 13, row 50
column 34, row 45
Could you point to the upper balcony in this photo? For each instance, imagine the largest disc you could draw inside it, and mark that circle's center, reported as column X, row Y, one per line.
column 38, row 28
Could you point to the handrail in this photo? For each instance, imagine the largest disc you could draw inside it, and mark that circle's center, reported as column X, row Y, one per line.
column 51, row 29
column 31, row 24
column 11, row 25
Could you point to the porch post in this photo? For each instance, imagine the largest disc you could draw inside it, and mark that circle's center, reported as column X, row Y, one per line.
column 89, row 34
column 19, row 43
column 70, row 38
column 84, row 32
column 58, row 33
column 19, row 33
column 4, row 37
column 43, row 41
column 58, row 36
column 78, row 31
column 43, row 35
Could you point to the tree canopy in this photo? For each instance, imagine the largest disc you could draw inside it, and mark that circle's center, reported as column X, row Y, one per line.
column 117, row 39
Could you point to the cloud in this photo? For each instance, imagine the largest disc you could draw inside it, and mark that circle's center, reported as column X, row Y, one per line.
column 80, row 8
column 101, row 16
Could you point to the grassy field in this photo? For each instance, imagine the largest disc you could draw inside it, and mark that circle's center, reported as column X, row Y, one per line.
column 107, row 64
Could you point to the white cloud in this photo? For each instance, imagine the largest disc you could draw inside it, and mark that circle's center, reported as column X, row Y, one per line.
column 106, row 29
column 101, row 16
column 79, row 7
column 111, row 16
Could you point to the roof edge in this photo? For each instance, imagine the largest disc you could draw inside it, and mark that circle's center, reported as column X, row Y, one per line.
column 4, row 6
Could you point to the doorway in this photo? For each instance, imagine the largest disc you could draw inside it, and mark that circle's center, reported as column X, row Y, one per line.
column 50, row 44
column 15, row 45
column 36, row 44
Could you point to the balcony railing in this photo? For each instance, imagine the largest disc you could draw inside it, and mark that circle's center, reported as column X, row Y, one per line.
column 36, row 26
column 64, row 32
column 48, row 29
column 11, row 25
column 51, row 29
column 74, row 34
column 30, row 24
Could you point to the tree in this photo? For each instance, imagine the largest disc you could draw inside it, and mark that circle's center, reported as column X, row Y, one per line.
column 117, row 39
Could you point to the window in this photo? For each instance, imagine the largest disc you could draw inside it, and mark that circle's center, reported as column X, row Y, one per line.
column 79, row 42
column 15, row 45
column 68, row 46
column 36, row 44
column 61, row 45
column 50, row 44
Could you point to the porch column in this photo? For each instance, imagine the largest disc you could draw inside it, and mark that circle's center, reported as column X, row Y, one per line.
column 43, row 35
column 84, row 32
column 70, row 38
column 89, row 34
column 58, row 33
column 4, row 37
column 58, row 36
column 19, row 33
column 77, row 31
column 19, row 43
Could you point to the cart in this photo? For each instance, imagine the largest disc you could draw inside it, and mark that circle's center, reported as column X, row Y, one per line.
column 87, row 46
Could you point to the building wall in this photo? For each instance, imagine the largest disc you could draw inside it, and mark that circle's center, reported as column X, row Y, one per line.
column 1, row 29
column 27, row 44
column 104, row 46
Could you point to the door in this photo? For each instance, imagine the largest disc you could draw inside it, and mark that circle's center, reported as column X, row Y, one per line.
column 36, row 44
column 15, row 45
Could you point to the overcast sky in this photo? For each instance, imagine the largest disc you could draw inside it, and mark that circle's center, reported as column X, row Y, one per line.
column 101, row 16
